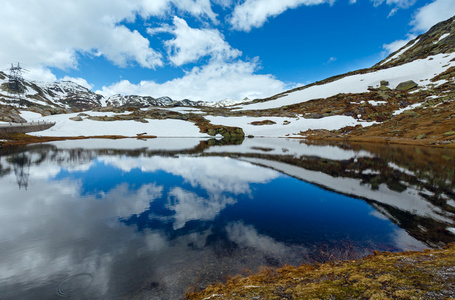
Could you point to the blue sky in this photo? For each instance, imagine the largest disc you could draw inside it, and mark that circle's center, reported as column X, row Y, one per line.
column 206, row 50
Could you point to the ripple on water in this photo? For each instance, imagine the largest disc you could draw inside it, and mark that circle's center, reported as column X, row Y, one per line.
column 74, row 285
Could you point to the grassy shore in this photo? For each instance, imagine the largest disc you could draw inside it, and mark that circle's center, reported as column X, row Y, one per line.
column 407, row 275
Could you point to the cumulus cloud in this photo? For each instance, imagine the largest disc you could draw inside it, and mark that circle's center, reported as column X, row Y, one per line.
column 56, row 33
column 190, row 44
column 53, row 33
column 38, row 74
column 212, row 82
column 430, row 14
column 254, row 13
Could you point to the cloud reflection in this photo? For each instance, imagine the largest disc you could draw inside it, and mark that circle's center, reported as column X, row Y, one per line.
column 247, row 236
column 213, row 174
column 189, row 206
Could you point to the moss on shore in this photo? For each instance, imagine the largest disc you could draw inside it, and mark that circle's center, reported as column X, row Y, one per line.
column 408, row 275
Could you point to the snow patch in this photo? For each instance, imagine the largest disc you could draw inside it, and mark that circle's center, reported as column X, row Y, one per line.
column 442, row 37
column 397, row 55
column 293, row 127
column 409, row 107
column 162, row 128
column 376, row 103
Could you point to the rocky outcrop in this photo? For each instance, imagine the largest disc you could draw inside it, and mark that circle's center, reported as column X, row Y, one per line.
column 406, row 86
column 264, row 122
column 77, row 118
column 230, row 134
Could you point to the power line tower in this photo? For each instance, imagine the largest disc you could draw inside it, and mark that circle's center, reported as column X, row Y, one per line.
column 15, row 82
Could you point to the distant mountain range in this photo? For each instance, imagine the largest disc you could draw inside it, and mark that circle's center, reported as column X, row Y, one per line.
column 64, row 96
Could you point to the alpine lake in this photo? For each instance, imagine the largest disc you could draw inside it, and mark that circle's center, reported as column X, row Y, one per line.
column 151, row 219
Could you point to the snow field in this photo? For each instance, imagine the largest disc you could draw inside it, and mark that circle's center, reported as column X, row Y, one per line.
column 420, row 71
column 65, row 127
column 280, row 130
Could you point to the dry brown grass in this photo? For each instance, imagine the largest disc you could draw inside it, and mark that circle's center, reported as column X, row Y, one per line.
column 408, row 275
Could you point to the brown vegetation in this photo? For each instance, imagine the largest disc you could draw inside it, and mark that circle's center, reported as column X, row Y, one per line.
column 409, row 275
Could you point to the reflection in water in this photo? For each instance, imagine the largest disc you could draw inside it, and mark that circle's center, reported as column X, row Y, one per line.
column 21, row 165
column 131, row 223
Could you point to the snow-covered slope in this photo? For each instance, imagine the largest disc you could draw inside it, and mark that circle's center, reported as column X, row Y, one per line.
column 52, row 96
column 420, row 71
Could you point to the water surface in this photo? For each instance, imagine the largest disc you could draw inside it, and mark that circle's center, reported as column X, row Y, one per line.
column 137, row 219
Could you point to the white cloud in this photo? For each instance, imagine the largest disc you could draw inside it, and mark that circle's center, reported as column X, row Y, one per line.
column 80, row 81
column 331, row 60
column 430, row 14
column 397, row 3
column 52, row 33
column 39, row 74
column 160, row 8
column 254, row 13
column 190, row 44
column 213, row 82
column 394, row 46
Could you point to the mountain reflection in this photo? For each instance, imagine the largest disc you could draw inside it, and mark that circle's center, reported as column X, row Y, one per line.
column 150, row 222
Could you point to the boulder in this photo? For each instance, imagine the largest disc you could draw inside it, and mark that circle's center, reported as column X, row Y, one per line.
column 78, row 119
column 384, row 83
column 406, row 85
column 264, row 122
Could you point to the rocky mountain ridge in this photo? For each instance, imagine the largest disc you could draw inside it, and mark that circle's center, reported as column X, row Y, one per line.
column 65, row 96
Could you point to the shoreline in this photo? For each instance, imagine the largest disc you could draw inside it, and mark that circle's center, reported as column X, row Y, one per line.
column 21, row 139
column 383, row 275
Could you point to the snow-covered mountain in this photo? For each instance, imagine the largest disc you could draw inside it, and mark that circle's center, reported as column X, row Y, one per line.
column 62, row 96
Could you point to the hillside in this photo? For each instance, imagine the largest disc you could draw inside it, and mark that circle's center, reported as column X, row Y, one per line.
column 406, row 98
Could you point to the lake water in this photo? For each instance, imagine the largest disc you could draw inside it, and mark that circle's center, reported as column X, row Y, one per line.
column 150, row 219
